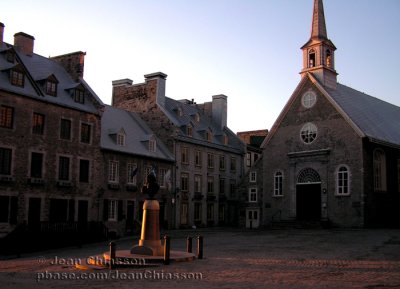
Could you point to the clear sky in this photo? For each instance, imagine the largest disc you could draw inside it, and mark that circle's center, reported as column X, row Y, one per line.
column 248, row 50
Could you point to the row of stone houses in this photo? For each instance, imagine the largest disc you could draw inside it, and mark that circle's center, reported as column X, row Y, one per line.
column 66, row 157
column 333, row 154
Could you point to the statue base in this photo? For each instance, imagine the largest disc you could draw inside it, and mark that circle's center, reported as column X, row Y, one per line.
column 150, row 243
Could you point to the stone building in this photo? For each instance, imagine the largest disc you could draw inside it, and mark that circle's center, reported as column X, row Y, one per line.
column 130, row 151
column 250, row 187
column 253, row 140
column 209, row 156
column 68, row 161
column 50, row 136
column 333, row 154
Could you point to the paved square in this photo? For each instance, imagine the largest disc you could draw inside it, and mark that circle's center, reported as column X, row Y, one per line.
column 233, row 259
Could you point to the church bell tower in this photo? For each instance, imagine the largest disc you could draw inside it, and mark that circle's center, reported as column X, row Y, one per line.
column 319, row 51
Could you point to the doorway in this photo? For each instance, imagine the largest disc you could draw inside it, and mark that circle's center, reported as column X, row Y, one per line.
column 308, row 202
column 308, row 195
column 252, row 218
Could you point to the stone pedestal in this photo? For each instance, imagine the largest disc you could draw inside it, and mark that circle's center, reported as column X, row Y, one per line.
column 150, row 243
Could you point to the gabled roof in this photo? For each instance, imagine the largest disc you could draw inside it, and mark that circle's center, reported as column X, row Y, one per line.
column 137, row 134
column 377, row 119
column 183, row 114
column 38, row 68
column 368, row 116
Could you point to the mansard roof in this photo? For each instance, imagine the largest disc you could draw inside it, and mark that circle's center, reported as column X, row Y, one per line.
column 184, row 113
column 37, row 68
column 137, row 134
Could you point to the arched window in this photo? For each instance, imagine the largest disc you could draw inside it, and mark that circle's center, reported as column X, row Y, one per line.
column 278, row 183
column 308, row 176
column 379, row 170
column 328, row 59
column 311, row 58
column 342, row 180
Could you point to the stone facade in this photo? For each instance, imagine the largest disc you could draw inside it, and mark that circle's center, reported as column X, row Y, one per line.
column 209, row 157
column 250, row 187
column 336, row 144
column 31, row 186
column 332, row 154
column 54, row 165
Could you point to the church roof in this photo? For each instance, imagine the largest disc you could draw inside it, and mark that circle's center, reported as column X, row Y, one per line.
column 377, row 119
column 367, row 115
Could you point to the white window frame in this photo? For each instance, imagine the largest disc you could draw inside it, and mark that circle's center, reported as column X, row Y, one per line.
column 152, row 145
column 113, row 171
column 161, row 177
column 185, row 155
column 197, row 158
column 112, row 210
column 253, row 195
column 278, row 184
column 197, row 183
column 253, row 176
column 210, row 161
column 341, row 181
column 121, row 139
column 131, row 180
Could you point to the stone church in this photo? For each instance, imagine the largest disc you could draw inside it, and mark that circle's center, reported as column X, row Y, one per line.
column 333, row 154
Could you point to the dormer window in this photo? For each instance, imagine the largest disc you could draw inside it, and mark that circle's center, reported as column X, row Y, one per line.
column 17, row 77
column 197, row 117
column 311, row 58
column 121, row 139
column 208, row 136
column 189, row 130
column 10, row 56
column 152, row 145
column 51, row 87
column 225, row 139
column 179, row 111
column 79, row 96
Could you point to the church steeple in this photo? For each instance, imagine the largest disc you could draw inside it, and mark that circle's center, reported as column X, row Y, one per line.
column 318, row 52
column 318, row 29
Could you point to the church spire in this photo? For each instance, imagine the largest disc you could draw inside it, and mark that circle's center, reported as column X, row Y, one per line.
column 318, row 52
column 318, row 30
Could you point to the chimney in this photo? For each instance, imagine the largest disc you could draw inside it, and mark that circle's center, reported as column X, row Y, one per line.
column 118, row 90
column 24, row 42
column 161, row 80
column 1, row 33
column 220, row 110
column 73, row 63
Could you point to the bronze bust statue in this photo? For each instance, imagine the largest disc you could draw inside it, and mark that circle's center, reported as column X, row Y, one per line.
column 151, row 186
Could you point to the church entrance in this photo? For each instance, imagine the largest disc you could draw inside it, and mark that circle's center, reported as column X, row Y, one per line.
column 308, row 196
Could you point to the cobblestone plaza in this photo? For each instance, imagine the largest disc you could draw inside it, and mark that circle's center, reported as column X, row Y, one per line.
column 233, row 259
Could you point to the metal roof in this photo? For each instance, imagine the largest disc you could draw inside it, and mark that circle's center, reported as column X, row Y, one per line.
column 38, row 68
column 377, row 119
column 182, row 113
column 137, row 134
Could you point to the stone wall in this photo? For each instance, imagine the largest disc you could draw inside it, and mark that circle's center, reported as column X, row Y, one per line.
column 336, row 144
column 23, row 142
